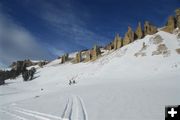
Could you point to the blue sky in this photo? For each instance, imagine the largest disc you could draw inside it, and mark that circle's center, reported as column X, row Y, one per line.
column 44, row 29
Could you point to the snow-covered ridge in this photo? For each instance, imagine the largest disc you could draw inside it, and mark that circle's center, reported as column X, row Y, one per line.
column 151, row 42
column 137, row 78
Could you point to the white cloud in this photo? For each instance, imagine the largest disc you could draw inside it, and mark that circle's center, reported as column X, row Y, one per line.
column 17, row 43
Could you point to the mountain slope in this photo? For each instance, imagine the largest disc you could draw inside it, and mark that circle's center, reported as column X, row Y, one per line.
column 134, row 82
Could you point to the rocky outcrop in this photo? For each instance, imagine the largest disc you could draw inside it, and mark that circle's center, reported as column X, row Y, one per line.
column 78, row 57
column 129, row 36
column 88, row 56
column 16, row 65
column 170, row 26
column 173, row 22
column 42, row 63
column 110, row 46
column 161, row 50
column 95, row 52
column 149, row 29
column 117, row 43
column 177, row 11
column 64, row 58
column 20, row 66
column 141, row 52
column 157, row 39
column 139, row 31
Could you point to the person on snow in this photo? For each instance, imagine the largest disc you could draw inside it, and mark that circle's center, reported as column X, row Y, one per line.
column 74, row 82
column 70, row 82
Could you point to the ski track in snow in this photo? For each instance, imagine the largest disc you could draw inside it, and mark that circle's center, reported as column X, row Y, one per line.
column 33, row 114
column 68, row 110
column 74, row 109
column 13, row 115
column 38, row 113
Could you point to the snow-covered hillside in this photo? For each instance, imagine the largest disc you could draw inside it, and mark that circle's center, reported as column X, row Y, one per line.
column 134, row 82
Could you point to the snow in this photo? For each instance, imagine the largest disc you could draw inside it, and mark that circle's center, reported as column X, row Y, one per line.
column 33, row 66
column 118, row 85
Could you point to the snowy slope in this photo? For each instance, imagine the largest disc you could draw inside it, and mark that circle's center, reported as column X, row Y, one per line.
column 129, row 83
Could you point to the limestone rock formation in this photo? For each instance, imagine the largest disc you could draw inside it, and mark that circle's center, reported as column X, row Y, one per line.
column 117, row 42
column 126, row 40
column 78, row 57
column 170, row 25
column 149, row 29
column 95, row 52
column 88, row 56
column 42, row 63
column 177, row 11
column 139, row 31
column 64, row 58
column 110, row 46
column 129, row 36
